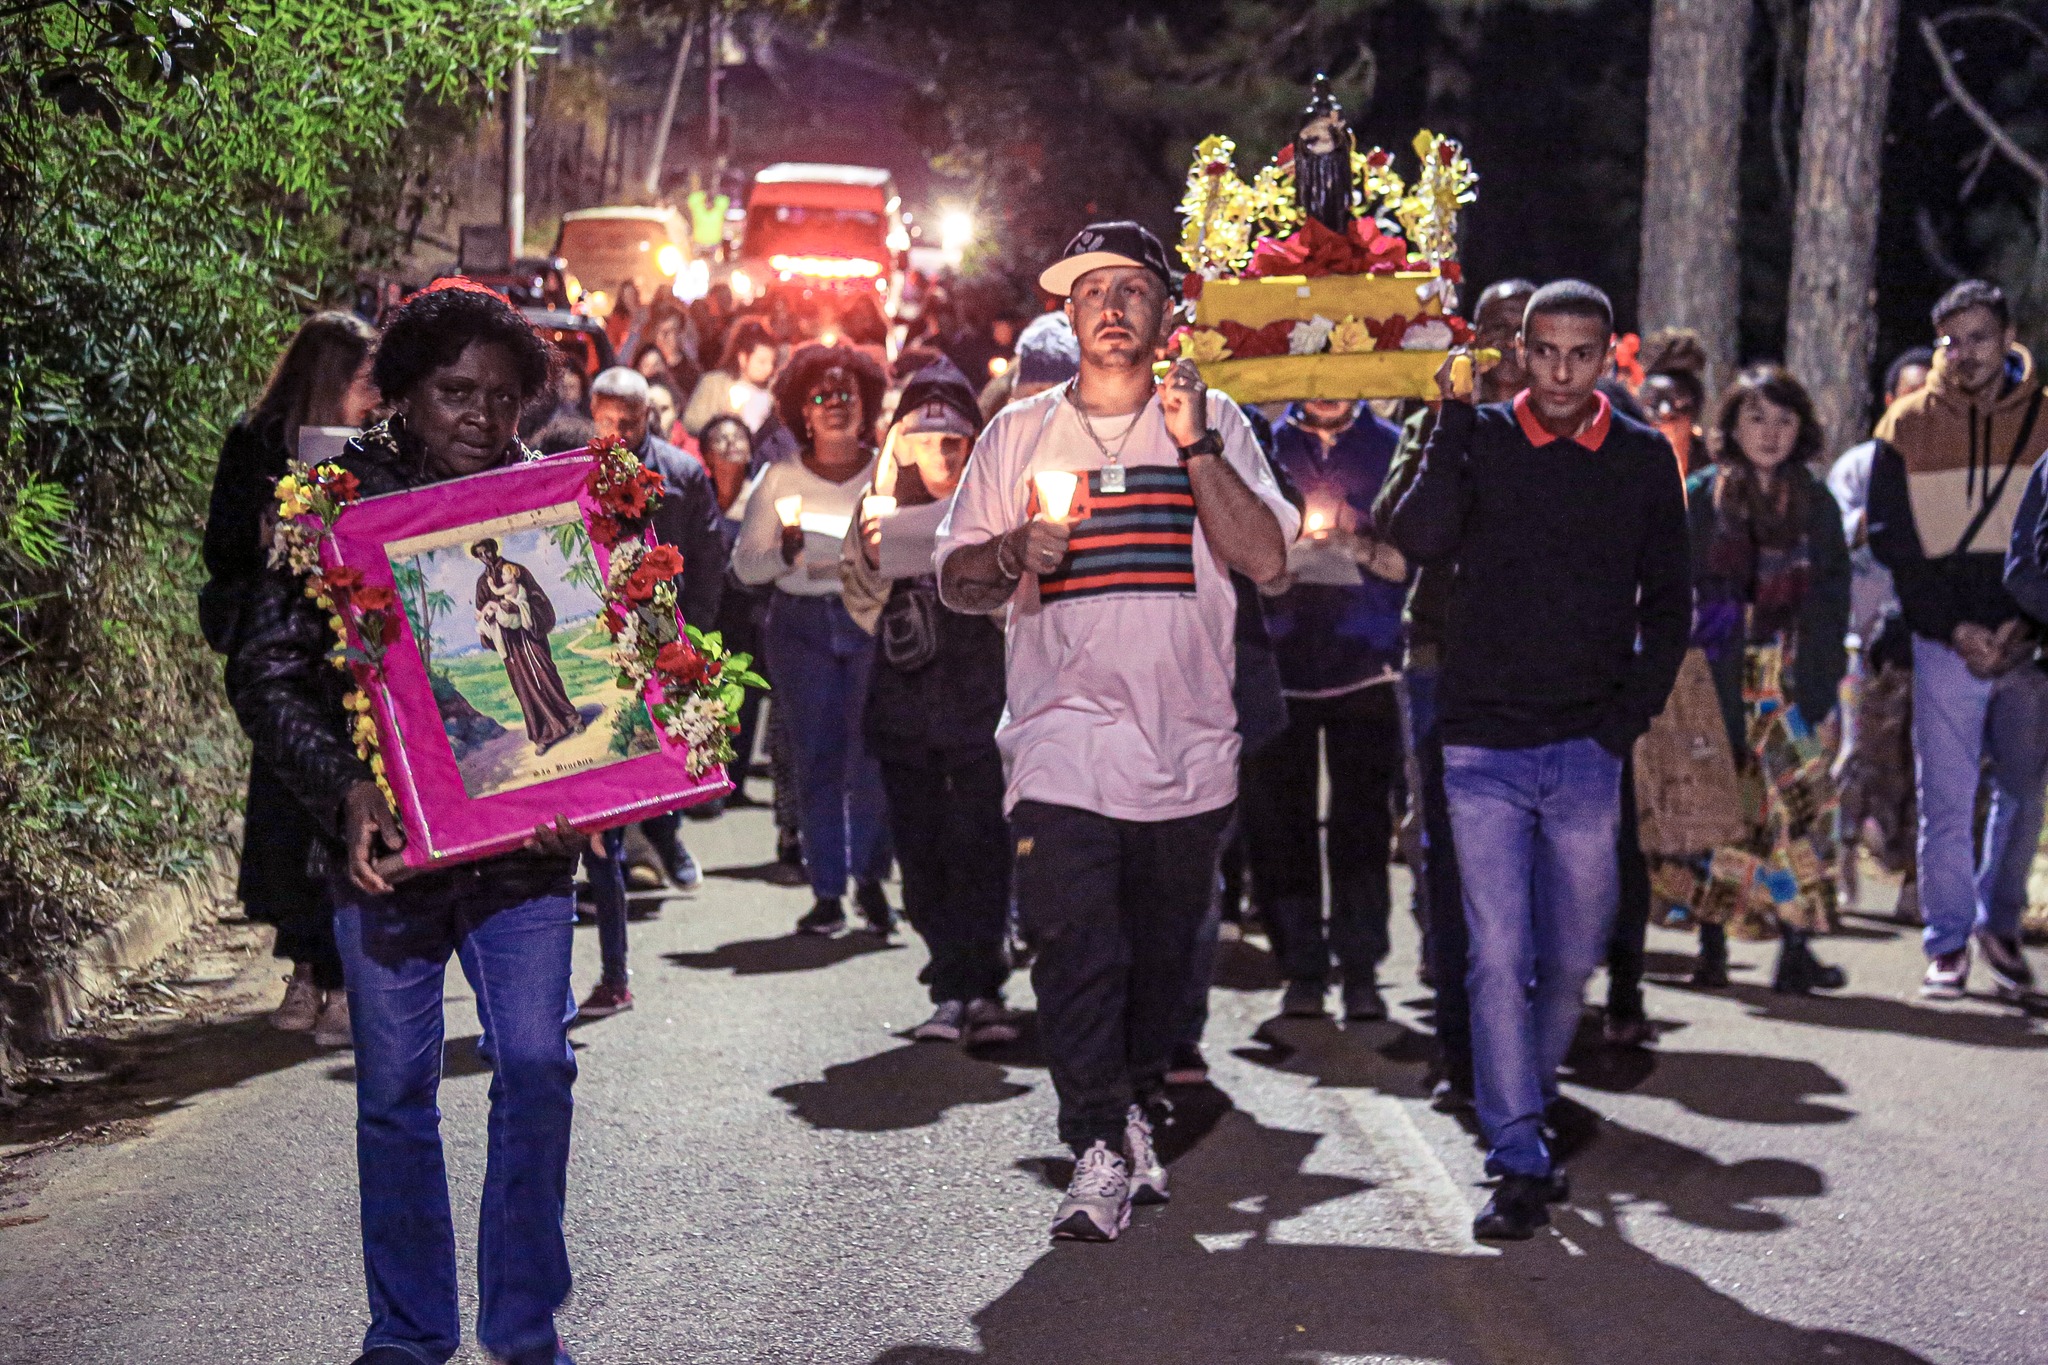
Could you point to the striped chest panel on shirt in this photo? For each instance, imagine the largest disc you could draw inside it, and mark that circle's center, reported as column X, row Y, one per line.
column 1137, row 541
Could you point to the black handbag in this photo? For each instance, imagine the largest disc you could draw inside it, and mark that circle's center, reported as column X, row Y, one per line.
column 909, row 627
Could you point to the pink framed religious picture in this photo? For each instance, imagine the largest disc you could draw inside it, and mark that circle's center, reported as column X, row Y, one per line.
column 516, row 650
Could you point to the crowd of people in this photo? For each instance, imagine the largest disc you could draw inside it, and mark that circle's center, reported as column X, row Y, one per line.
column 1075, row 643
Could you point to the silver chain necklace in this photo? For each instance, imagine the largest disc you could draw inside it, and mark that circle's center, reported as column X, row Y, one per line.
column 1113, row 470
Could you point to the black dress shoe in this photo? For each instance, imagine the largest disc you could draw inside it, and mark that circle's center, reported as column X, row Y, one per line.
column 1516, row 1210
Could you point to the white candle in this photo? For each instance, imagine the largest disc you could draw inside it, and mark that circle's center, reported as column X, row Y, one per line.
column 875, row 506
column 1055, row 492
column 789, row 509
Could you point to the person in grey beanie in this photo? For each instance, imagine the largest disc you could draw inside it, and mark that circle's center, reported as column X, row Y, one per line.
column 1047, row 354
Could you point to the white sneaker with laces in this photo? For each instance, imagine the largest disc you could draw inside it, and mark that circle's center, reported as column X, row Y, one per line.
column 301, row 1007
column 1148, row 1176
column 1098, row 1202
column 989, row 1024
column 333, row 1030
column 945, row 1024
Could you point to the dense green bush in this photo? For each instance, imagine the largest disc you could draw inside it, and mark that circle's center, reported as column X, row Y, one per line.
column 177, row 186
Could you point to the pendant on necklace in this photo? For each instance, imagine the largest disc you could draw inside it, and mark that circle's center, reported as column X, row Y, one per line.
column 1113, row 478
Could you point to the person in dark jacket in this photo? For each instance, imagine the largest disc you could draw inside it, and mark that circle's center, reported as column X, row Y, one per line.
column 1496, row 319
column 322, row 380
column 459, row 364
column 1771, row 579
column 934, row 698
column 1946, row 486
column 1338, row 643
column 1569, row 608
column 687, row 518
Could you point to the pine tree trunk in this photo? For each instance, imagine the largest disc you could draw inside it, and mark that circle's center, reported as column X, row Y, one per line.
column 1831, row 326
column 1691, row 276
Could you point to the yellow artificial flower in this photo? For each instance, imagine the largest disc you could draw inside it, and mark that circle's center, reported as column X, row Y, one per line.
column 377, row 764
column 1204, row 345
column 1351, row 337
column 337, row 625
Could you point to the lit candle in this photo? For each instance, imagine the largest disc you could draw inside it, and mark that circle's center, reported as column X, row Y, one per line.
column 1315, row 523
column 788, row 510
column 1055, row 492
column 875, row 506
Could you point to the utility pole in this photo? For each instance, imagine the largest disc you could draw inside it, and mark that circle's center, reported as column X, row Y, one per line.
column 712, row 52
column 659, row 155
column 515, row 160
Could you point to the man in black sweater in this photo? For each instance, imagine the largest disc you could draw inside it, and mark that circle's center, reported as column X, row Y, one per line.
column 1570, row 604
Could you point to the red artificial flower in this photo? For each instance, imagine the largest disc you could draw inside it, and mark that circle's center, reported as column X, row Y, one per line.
column 1387, row 335
column 612, row 621
column 1249, row 342
column 1215, row 169
column 713, row 669
column 1454, row 272
column 373, row 599
column 341, row 486
column 605, row 530
column 1315, row 250
column 341, row 579
column 627, row 499
column 640, row 585
column 1378, row 158
column 680, row 661
column 663, row 561
column 1461, row 330
column 1446, row 152
column 1191, row 285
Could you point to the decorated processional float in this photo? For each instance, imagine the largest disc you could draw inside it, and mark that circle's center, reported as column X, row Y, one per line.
column 1327, row 275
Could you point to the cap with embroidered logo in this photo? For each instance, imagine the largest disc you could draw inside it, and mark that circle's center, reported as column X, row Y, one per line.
column 1106, row 244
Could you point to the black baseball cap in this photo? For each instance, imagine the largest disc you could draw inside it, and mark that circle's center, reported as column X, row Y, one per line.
column 1105, row 244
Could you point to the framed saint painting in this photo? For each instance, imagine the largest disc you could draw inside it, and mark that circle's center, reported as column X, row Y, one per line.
column 516, row 650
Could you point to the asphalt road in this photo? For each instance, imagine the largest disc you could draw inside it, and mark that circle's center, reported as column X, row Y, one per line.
column 765, row 1170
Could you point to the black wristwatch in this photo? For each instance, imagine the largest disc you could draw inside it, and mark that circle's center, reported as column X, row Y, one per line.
column 1210, row 444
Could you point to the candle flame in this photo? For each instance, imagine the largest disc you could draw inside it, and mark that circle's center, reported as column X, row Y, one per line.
column 1055, row 492
column 789, row 509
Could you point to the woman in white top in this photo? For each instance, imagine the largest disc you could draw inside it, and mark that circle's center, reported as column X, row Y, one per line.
column 798, row 514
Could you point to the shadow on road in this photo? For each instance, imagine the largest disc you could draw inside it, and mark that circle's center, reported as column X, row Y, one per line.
column 1387, row 1057
column 1231, row 1272
column 146, row 1076
column 789, row 953
column 1739, row 1087
column 1879, row 1014
column 906, row 1087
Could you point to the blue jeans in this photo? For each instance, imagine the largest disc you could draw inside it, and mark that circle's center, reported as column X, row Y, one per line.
column 607, row 875
column 1535, row 830
column 821, row 659
column 1446, row 936
column 1959, row 718
column 515, row 954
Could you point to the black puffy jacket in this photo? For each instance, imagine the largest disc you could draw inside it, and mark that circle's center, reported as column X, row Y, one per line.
column 288, row 697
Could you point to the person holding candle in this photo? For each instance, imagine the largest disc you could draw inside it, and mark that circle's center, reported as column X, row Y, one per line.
column 934, row 700
column 1119, row 740
column 1339, row 646
column 798, row 513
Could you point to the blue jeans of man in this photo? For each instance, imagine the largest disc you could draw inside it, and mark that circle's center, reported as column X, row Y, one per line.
column 1535, row 830
column 514, row 950
column 607, row 873
column 1959, row 719
column 821, row 658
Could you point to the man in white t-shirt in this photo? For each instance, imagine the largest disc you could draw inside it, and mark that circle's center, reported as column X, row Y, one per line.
column 1120, row 742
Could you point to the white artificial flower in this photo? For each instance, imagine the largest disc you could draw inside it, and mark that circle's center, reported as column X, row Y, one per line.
column 1311, row 337
column 1431, row 334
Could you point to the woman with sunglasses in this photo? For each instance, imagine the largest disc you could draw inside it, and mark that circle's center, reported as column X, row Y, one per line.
column 798, row 515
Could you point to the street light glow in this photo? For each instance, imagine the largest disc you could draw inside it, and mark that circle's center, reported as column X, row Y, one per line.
column 956, row 230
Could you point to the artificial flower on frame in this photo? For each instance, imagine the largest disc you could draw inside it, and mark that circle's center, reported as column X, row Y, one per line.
column 1351, row 337
column 1203, row 345
column 1427, row 334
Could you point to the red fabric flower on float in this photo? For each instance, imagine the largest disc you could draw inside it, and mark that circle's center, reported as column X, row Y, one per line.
column 1248, row 342
column 1314, row 250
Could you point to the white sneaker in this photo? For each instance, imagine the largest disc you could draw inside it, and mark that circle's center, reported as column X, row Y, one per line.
column 989, row 1023
column 1148, row 1176
column 945, row 1024
column 1098, row 1202
column 333, row 1030
column 301, row 1005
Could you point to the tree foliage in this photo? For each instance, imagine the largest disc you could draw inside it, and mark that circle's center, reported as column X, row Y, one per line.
column 177, row 185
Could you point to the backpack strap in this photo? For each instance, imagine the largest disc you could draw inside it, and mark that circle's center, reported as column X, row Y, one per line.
column 1992, row 495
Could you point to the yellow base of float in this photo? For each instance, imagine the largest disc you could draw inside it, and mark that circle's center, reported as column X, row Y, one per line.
column 1298, row 298
column 1369, row 374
